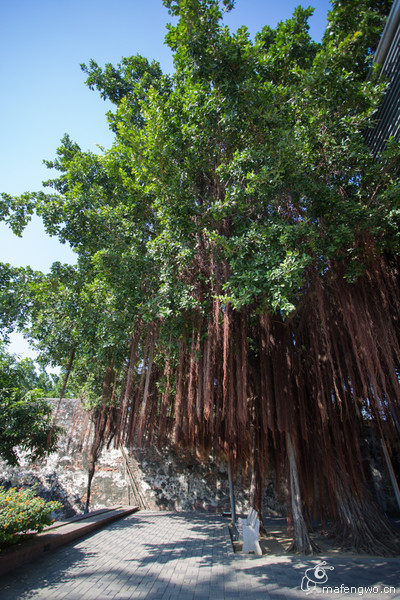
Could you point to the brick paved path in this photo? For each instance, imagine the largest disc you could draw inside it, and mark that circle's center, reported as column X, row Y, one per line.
column 183, row 556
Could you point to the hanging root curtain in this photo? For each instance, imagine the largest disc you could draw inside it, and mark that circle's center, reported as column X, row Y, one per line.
column 295, row 393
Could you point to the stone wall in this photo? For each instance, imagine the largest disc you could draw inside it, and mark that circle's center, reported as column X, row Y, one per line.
column 173, row 480
column 166, row 480
column 63, row 474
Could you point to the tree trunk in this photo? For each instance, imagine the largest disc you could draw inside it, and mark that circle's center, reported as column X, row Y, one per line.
column 302, row 542
column 100, row 424
column 67, row 374
column 361, row 525
column 256, row 486
column 64, row 387
column 91, row 470
column 235, row 533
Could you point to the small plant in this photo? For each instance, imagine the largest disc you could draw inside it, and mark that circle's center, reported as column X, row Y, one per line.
column 23, row 512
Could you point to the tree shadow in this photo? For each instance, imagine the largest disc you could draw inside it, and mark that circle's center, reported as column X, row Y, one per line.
column 48, row 572
column 195, row 564
column 71, row 566
column 345, row 577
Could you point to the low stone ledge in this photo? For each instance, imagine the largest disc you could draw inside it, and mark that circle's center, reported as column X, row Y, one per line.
column 58, row 535
column 82, row 516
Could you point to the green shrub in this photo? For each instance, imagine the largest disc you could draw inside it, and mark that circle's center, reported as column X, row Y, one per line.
column 22, row 512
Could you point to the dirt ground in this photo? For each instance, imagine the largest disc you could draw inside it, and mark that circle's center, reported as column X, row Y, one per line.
column 277, row 540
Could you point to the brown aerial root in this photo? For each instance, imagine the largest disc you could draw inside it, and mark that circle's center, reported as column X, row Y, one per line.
column 239, row 381
column 362, row 526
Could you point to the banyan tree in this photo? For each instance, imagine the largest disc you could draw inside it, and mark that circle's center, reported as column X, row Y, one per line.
column 237, row 288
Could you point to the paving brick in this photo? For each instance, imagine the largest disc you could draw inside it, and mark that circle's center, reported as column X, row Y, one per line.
column 178, row 556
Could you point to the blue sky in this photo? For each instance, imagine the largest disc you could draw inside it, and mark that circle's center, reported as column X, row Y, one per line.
column 42, row 44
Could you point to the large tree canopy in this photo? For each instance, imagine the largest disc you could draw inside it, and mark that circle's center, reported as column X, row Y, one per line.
column 238, row 255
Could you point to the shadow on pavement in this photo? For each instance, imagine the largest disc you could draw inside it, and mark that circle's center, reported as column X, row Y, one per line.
column 182, row 556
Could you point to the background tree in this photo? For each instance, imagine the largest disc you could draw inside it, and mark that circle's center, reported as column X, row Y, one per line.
column 25, row 418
